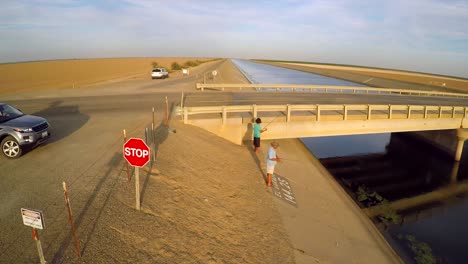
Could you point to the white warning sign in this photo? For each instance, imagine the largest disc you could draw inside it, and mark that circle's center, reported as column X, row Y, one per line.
column 32, row 218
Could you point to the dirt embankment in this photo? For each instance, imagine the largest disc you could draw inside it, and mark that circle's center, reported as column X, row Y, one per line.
column 209, row 204
column 382, row 77
column 59, row 74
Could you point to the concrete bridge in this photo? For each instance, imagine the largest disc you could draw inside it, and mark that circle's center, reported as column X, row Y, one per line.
column 290, row 114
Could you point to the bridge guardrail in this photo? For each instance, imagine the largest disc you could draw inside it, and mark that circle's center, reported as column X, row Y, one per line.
column 427, row 111
column 330, row 89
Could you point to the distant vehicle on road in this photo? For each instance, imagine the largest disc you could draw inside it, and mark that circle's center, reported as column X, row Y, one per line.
column 159, row 73
column 19, row 132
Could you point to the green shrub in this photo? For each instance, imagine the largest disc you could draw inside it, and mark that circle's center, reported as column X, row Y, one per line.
column 155, row 64
column 422, row 252
column 190, row 63
column 176, row 66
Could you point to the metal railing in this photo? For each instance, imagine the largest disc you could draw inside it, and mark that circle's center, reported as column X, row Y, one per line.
column 329, row 89
column 343, row 110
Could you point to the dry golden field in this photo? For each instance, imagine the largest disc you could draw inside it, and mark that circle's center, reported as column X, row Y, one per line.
column 60, row 74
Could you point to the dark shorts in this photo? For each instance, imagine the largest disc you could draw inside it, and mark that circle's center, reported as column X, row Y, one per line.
column 257, row 142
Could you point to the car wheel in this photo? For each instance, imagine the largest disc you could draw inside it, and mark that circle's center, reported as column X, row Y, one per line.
column 10, row 148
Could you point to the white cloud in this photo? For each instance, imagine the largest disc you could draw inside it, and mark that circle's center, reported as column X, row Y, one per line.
column 342, row 31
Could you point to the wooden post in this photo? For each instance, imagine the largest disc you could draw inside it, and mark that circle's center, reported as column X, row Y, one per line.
column 425, row 111
column 70, row 220
column 288, row 113
column 38, row 245
column 390, row 111
column 146, row 135
column 453, row 111
column 440, row 111
column 409, row 112
column 167, row 112
column 153, row 141
column 137, row 188
column 254, row 111
column 126, row 162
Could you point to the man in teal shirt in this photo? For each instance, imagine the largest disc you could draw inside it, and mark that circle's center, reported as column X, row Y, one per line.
column 257, row 132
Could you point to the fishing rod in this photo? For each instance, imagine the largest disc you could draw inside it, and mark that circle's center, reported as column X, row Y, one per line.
column 272, row 120
column 289, row 159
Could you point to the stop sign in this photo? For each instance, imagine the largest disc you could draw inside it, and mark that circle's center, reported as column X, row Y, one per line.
column 136, row 152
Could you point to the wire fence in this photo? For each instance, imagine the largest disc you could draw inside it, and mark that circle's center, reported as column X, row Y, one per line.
column 78, row 187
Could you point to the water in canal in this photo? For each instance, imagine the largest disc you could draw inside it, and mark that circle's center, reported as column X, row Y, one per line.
column 394, row 166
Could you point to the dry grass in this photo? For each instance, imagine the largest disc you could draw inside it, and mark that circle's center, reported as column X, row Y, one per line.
column 60, row 74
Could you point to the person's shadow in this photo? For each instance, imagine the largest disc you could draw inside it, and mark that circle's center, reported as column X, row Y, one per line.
column 248, row 143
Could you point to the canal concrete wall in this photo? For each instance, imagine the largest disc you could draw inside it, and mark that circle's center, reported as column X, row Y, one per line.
column 450, row 142
column 444, row 140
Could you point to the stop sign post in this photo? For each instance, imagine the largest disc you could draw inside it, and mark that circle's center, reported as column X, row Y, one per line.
column 137, row 153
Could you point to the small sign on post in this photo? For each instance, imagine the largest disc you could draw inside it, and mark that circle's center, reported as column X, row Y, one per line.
column 34, row 219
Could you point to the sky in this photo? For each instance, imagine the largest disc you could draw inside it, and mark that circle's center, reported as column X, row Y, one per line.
column 418, row 35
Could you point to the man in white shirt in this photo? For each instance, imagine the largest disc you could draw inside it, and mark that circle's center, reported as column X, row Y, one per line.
column 271, row 161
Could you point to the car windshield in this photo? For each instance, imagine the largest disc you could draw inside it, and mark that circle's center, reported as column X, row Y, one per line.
column 157, row 70
column 8, row 112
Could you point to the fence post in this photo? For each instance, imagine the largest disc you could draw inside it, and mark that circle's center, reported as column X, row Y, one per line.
column 254, row 111
column 288, row 110
column 390, row 110
column 440, row 111
column 70, row 220
column 453, row 111
column 409, row 112
column 185, row 115
column 425, row 111
column 146, row 135
column 126, row 162
column 167, row 112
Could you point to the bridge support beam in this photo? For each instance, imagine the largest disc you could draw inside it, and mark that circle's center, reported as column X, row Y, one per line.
column 462, row 135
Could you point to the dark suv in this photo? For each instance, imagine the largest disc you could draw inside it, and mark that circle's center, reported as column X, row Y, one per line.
column 19, row 132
